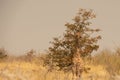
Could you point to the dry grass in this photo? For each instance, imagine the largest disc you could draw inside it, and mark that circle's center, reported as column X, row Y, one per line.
column 104, row 66
column 110, row 60
column 22, row 70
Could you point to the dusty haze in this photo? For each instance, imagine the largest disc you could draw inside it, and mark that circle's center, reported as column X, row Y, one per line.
column 31, row 24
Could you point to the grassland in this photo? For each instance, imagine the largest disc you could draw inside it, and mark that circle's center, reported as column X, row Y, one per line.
column 104, row 66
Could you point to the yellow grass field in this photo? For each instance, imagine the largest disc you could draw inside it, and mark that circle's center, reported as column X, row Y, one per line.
column 22, row 70
column 103, row 66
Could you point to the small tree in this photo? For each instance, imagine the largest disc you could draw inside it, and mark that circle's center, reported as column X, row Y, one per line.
column 3, row 53
column 30, row 55
column 78, row 35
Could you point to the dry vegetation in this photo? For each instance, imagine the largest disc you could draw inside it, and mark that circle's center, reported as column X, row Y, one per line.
column 104, row 66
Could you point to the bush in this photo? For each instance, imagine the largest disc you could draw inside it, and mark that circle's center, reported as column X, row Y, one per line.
column 3, row 53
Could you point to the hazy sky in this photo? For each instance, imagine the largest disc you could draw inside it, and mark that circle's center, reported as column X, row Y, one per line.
column 31, row 24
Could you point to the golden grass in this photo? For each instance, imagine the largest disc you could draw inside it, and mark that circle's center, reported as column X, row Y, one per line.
column 21, row 70
column 102, row 66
